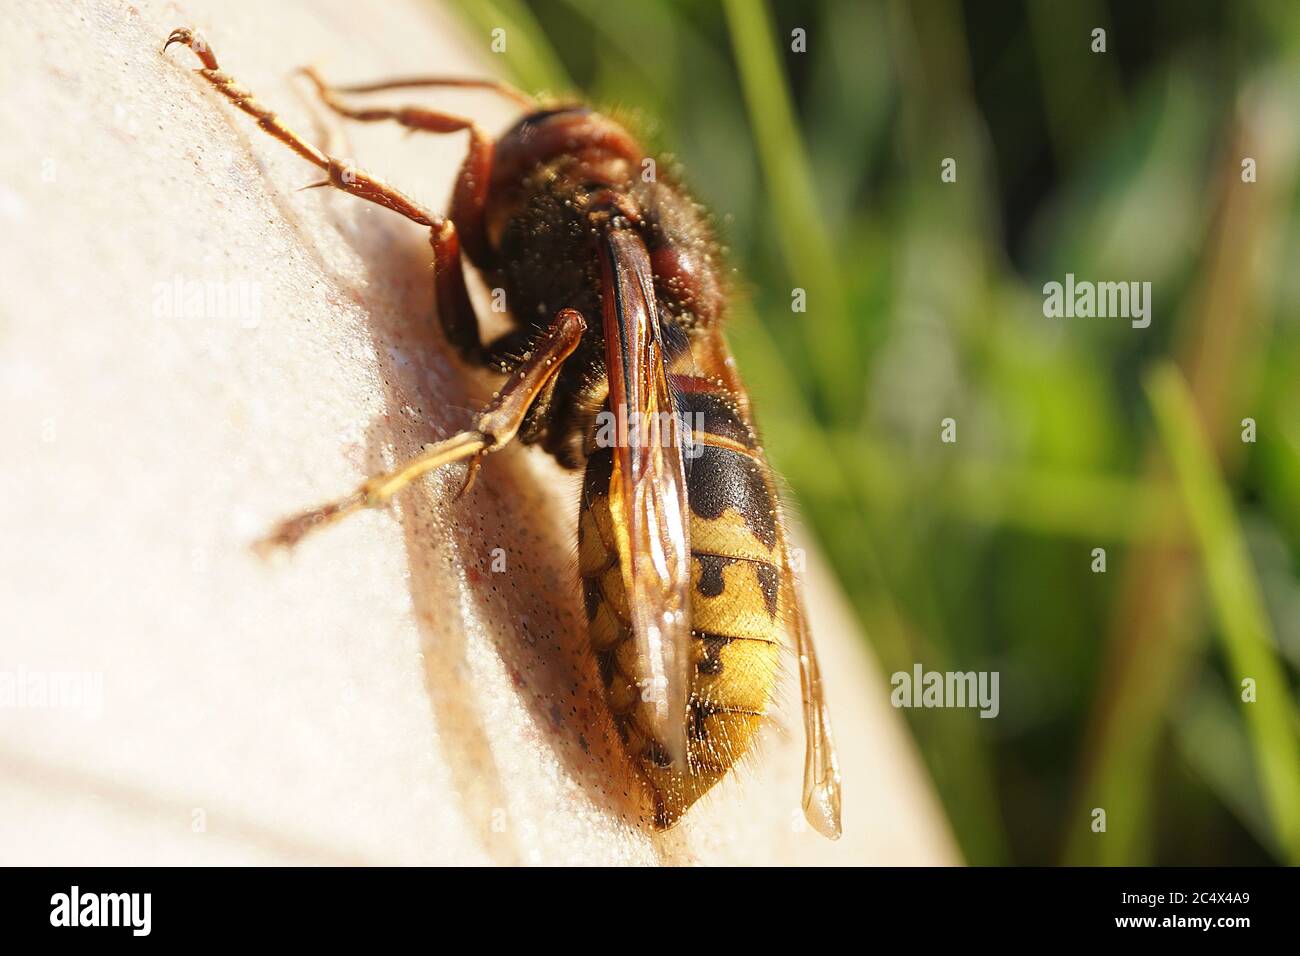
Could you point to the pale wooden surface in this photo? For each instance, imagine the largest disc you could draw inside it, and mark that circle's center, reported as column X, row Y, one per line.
column 382, row 697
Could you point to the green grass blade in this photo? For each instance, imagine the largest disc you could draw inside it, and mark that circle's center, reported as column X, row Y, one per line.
column 529, row 57
column 1238, row 604
column 806, row 244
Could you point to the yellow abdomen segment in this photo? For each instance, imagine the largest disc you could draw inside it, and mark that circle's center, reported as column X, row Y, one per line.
column 735, row 619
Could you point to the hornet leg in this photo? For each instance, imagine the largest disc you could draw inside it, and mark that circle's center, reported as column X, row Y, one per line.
column 495, row 427
column 454, row 308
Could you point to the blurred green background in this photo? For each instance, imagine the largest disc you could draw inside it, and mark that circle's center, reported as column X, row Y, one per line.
column 1120, row 690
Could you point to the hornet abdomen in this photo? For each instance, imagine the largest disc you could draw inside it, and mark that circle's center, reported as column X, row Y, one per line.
column 735, row 602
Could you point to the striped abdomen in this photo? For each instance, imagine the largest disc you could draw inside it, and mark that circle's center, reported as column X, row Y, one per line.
column 735, row 603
